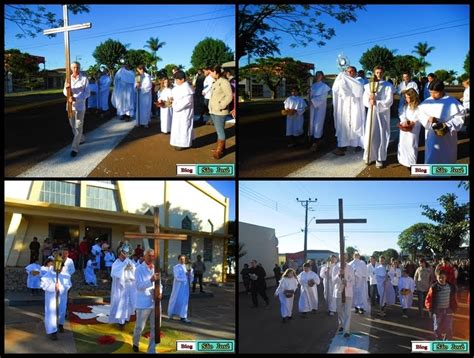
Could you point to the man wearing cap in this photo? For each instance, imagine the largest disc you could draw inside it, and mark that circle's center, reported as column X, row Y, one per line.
column 123, row 296
column 123, row 96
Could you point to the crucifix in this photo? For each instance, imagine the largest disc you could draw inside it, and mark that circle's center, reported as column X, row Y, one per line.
column 66, row 28
column 156, row 236
column 341, row 221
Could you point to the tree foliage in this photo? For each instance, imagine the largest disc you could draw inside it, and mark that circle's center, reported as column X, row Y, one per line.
column 466, row 64
column 402, row 63
column 167, row 71
column 32, row 22
column 377, row 56
column 109, row 53
column 134, row 58
column 414, row 239
column 422, row 50
column 260, row 26
column 389, row 254
column 350, row 252
column 20, row 64
column 446, row 76
column 210, row 52
column 154, row 44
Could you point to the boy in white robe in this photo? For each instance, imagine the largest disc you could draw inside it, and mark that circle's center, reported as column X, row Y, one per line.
column 123, row 95
column 326, row 275
column 286, row 293
column 103, row 91
column 349, row 111
column 408, row 139
column 406, row 286
column 403, row 86
column 92, row 99
column 317, row 109
column 309, row 281
column 123, row 296
column 89, row 274
column 49, row 284
column 294, row 107
column 381, row 101
column 143, row 105
column 343, row 284
column 360, row 285
column 164, row 102
column 182, row 133
column 179, row 299
column 33, row 280
column 445, row 115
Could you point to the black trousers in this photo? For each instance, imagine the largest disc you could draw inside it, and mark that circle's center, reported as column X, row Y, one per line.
column 258, row 289
column 196, row 277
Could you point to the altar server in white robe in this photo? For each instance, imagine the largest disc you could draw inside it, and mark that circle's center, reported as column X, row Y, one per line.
column 309, row 281
column 123, row 296
column 286, row 293
column 349, row 111
column 295, row 106
column 179, row 299
column 92, row 99
column 343, row 284
column 384, row 286
column 445, row 113
column 68, row 267
column 164, row 102
column 89, row 274
column 326, row 275
column 48, row 264
column 33, row 280
column 381, row 101
column 360, row 284
column 406, row 287
column 408, row 140
column 182, row 133
column 403, row 86
column 146, row 278
column 49, row 284
column 104, row 90
column 361, row 77
column 318, row 95
column 143, row 105
column 96, row 251
column 123, row 95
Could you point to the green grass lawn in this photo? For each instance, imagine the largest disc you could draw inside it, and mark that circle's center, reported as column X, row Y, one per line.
column 30, row 93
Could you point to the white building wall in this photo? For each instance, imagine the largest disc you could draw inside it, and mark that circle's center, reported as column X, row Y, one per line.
column 17, row 189
column 137, row 193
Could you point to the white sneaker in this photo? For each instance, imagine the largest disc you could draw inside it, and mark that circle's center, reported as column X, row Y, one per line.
column 378, row 164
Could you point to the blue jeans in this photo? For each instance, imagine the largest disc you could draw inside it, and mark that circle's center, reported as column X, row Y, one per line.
column 443, row 323
column 219, row 123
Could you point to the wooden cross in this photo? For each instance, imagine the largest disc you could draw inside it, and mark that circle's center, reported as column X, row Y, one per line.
column 156, row 237
column 341, row 221
column 66, row 28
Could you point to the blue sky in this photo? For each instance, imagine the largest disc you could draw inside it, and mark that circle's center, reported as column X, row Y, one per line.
column 226, row 188
column 389, row 207
column 410, row 24
column 177, row 25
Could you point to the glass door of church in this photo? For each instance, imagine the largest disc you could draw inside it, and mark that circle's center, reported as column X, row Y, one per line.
column 96, row 234
column 64, row 234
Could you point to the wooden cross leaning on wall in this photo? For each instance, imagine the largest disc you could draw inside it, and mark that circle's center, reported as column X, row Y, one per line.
column 156, row 236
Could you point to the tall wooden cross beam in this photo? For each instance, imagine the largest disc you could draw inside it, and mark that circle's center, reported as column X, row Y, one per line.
column 341, row 221
column 66, row 28
column 156, row 236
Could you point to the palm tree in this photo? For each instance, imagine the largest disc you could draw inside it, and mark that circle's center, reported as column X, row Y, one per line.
column 154, row 45
column 422, row 49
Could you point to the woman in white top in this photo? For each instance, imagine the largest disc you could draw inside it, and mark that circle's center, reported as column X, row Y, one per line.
column 164, row 102
column 286, row 293
column 409, row 129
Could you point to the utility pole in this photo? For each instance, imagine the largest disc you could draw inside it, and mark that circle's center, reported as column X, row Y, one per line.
column 305, row 204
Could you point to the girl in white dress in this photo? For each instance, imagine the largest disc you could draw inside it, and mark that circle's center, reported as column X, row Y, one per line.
column 294, row 109
column 164, row 102
column 409, row 129
column 286, row 293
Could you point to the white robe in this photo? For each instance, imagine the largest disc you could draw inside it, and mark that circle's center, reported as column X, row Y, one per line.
column 109, row 259
column 317, row 108
column 326, row 275
column 465, row 98
column 384, row 286
column 123, row 296
column 381, row 122
column 48, row 284
column 309, row 295
column 96, row 250
column 337, row 282
column 69, row 267
column 294, row 123
column 166, row 113
column 104, row 91
column 179, row 299
column 92, row 99
column 89, row 274
column 360, row 284
column 349, row 112
column 182, row 133
column 408, row 141
column 123, row 95
column 33, row 281
column 286, row 304
column 371, row 274
column 403, row 87
column 441, row 150
column 143, row 97
column 406, row 301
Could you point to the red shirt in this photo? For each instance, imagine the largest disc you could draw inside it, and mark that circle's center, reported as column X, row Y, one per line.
column 449, row 273
column 84, row 247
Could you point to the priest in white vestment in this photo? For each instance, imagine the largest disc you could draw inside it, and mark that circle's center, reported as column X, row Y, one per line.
column 164, row 102
column 179, row 299
column 92, row 99
column 343, row 284
column 309, row 281
column 182, row 133
column 33, row 280
column 123, row 95
column 446, row 115
column 318, row 95
column 359, row 300
column 286, row 293
column 403, row 86
column 295, row 106
column 349, row 111
column 103, row 91
column 49, row 285
column 143, row 105
column 326, row 275
column 123, row 296
column 384, row 286
column 381, row 101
